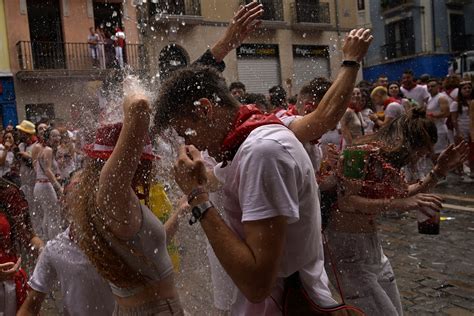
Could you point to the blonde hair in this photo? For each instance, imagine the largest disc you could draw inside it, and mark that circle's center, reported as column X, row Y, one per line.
column 91, row 231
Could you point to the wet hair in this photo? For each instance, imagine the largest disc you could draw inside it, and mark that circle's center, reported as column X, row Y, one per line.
column 186, row 86
column 90, row 227
column 382, row 76
column 237, row 85
column 425, row 78
column 258, row 99
column 277, row 96
column 403, row 136
column 293, row 99
column 408, row 72
column 462, row 101
column 316, row 88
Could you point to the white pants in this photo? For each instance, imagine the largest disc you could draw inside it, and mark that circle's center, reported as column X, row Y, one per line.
column 7, row 298
column 119, row 55
column 36, row 222
column 366, row 276
column 49, row 211
column 442, row 143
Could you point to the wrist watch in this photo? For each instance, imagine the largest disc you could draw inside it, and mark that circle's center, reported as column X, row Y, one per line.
column 198, row 211
column 350, row 63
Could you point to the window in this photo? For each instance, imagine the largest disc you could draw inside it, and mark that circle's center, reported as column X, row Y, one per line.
column 360, row 5
column 39, row 112
column 400, row 38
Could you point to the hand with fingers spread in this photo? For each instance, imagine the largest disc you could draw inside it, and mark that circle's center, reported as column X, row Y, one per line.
column 8, row 270
column 190, row 171
column 451, row 157
column 244, row 22
column 418, row 201
column 356, row 44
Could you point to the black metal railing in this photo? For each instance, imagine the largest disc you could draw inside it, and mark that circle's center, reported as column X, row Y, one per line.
column 390, row 4
column 75, row 56
column 462, row 42
column 311, row 13
column 176, row 7
column 273, row 9
column 398, row 49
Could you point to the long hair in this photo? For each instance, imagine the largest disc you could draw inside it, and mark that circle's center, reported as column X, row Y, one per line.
column 403, row 136
column 91, row 231
column 462, row 100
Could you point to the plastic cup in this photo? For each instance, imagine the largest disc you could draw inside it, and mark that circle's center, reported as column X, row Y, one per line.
column 428, row 225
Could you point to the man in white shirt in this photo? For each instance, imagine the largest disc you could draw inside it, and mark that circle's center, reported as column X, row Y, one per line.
column 437, row 110
column 392, row 108
column 269, row 183
column 412, row 90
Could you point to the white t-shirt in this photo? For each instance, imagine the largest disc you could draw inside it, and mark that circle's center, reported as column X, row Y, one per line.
column 418, row 93
column 434, row 106
column 83, row 290
column 272, row 175
column 464, row 121
column 394, row 110
column 8, row 161
column 314, row 151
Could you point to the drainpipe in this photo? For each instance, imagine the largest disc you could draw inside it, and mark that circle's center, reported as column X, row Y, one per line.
column 433, row 24
column 338, row 29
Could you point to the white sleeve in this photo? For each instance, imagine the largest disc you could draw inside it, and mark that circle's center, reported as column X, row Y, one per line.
column 393, row 111
column 44, row 274
column 453, row 107
column 268, row 184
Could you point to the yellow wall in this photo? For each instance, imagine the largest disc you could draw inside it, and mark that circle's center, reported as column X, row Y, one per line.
column 4, row 55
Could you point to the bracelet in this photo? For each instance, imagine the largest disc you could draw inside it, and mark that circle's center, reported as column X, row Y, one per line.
column 195, row 193
column 350, row 63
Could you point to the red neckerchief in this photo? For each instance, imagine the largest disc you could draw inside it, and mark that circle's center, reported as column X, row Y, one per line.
column 292, row 110
column 388, row 101
column 354, row 108
column 31, row 140
column 248, row 118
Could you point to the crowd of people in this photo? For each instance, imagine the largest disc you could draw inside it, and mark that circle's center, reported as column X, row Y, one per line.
column 107, row 50
column 267, row 178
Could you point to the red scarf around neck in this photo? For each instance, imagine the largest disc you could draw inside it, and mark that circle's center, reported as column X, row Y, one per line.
column 248, row 118
column 390, row 100
column 354, row 108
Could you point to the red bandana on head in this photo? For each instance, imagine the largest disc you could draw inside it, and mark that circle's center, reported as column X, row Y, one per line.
column 248, row 118
column 390, row 100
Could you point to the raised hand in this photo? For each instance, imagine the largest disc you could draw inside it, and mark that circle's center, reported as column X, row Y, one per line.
column 451, row 157
column 244, row 22
column 356, row 44
column 190, row 171
column 8, row 270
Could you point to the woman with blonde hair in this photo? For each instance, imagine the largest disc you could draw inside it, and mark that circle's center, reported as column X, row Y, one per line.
column 120, row 236
column 371, row 182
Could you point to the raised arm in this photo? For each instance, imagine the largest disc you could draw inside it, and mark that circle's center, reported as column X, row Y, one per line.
column 334, row 103
column 115, row 196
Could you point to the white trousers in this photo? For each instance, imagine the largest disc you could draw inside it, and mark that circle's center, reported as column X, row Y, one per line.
column 48, row 211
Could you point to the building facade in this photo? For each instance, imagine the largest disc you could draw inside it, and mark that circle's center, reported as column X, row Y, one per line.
column 298, row 39
column 422, row 35
column 52, row 68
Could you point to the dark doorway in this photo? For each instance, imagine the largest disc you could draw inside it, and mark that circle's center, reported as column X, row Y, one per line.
column 458, row 32
column 44, row 18
column 171, row 58
column 108, row 16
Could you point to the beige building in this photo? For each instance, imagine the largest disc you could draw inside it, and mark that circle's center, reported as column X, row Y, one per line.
column 299, row 39
column 55, row 75
column 50, row 59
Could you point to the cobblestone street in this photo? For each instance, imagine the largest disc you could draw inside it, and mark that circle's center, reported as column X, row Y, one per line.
column 435, row 273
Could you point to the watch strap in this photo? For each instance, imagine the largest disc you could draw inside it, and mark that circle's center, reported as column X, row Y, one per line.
column 198, row 211
column 350, row 63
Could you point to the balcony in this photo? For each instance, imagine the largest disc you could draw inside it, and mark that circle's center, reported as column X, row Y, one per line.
column 273, row 9
column 461, row 43
column 393, row 6
column 176, row 11
column 309, row 16
column 398, row 49
column 40, row 60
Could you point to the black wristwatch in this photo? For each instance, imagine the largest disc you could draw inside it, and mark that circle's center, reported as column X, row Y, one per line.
column 350, row 63
column 199, row 210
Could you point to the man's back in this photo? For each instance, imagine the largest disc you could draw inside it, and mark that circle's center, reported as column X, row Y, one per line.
column 272, row 175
